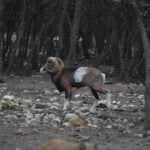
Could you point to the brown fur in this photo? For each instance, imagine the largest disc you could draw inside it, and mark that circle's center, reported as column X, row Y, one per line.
column 59, row 144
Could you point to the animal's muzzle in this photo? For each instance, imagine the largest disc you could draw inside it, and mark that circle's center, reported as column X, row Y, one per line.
column 43, row 69
column 46, row 68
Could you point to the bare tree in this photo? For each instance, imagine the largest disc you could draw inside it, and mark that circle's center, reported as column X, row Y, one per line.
column 75, row 31
column 61, row 23
column 1, row 37
column 146, row 47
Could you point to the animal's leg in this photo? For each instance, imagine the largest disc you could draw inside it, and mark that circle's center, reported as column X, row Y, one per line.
column 67, row 88
column 100, row 89
column 93, row 107
column 94, row 93
column 68, row 94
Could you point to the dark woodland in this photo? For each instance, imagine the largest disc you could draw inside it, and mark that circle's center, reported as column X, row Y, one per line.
column 106, row 32
column 111, row 35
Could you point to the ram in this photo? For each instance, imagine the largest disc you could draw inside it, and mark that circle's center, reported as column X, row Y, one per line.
column 65, row 79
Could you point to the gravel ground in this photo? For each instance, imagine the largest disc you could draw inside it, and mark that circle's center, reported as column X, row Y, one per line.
column 31, row 113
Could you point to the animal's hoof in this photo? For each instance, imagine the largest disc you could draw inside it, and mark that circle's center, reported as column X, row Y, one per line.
column 102, row 105
column 66, row 105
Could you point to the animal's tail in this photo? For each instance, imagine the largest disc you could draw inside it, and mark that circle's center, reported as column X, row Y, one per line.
column 103, row 77
column 108, row 81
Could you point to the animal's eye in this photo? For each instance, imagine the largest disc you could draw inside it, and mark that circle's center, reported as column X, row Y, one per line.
column 49, row 61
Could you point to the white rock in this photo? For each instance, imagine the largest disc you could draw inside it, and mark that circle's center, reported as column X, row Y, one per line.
column 38, row 100
column 77, row 95
column 84, row 109
column 26, row 91
column 54, row 98
column 56, row 104
column 140, row 97
column 114, row 107
column 11, row 117
column 9, row 97
column 54, row 107
column 78, row 103
column 70, row 116
column 66, row 124
column 92, row 125
column 56, row 91
column 3, row 89
column 121, row 94
column 52, row 120
column 139, row 135
column 27, row 101
column 125, row 120
column 28, row 115
column 47, row 92
column 118, row 103
column 131, row 105
column 108, row 127
column 114, row 102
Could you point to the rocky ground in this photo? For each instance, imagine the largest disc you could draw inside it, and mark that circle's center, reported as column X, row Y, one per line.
column 31, row 112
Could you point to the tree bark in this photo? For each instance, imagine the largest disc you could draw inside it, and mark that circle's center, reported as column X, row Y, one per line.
column 61, row 23
column 146, row 47
column 121, row 51
column 12, row 53
column 75, row 31
column 1, row 38
column 1, row 55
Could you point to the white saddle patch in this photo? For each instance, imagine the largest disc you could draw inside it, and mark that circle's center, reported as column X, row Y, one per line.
column 79, row 74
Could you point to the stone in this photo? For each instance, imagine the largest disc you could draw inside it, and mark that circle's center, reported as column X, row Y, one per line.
column 75, row 120
column 62, row 144
column 8, row 104
column 8, row 97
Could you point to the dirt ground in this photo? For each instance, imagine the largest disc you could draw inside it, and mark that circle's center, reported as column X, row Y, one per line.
column 117, row 128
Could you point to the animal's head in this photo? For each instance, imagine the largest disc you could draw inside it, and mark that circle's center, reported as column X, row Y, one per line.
column 53, row 65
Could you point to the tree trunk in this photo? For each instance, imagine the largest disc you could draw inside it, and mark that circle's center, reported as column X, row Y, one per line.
column 1, row 38
column 61, row 23
column 15, row 45
column 19, row 47
column 75, row 31
column 146, row 47
column 147, row 67
column 1, row 55
column 12, row 53
column 27, row 66
column 115, row 59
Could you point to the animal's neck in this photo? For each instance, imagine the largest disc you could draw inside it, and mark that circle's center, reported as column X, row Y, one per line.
column 55, row 76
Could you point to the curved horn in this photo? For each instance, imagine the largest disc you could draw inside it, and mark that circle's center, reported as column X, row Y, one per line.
column 61, row 63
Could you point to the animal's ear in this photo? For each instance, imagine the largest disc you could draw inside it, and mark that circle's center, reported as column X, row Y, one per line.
column 59, row 60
